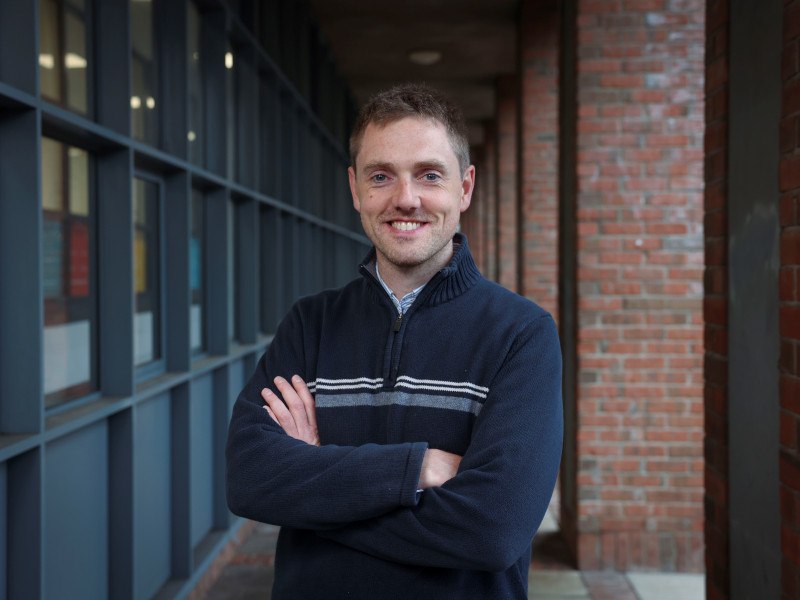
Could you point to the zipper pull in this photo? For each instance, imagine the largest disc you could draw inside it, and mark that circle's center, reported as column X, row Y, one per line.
column 398, row 322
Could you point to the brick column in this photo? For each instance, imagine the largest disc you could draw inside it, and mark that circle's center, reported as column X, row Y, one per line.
column 539, row 55
column 639, row 202
column 789, row 294
column 507, row 182
column 715, row 305
column 472, row 221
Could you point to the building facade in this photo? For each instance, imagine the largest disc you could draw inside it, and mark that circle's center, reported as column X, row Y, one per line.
column 171, row 179
column 173, row 176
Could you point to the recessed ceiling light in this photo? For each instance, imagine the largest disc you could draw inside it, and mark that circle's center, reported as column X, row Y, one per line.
column 425, row 57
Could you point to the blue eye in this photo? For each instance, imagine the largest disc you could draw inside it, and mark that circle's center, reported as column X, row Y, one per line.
column 378, row 178
column 432, row 177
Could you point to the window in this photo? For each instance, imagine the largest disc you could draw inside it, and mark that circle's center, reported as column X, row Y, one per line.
column 146, row 272
column 197, row 275
column 64, row 52
column 144, row 73
column 69, row 281
column 196, row 131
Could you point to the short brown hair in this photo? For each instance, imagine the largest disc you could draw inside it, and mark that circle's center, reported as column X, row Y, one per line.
column 413, row 100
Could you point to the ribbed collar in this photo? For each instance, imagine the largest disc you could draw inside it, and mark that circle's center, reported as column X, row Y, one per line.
column 460, row 274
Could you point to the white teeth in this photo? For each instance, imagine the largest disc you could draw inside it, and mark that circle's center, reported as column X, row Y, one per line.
column 405, row 225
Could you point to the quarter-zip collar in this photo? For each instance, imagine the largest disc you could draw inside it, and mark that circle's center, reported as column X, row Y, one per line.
column 460, row 274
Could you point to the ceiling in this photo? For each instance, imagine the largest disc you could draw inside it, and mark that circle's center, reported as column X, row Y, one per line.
column 371, row 42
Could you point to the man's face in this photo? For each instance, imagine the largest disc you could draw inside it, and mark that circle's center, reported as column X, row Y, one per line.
column 410, row 192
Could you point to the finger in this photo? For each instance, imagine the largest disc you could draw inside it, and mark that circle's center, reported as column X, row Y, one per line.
column 281, row 414
column 292, row 401
column 308, row 401
column 306, row 431
column 270, row 413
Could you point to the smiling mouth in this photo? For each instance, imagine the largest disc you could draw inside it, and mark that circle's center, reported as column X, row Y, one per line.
column 406, row 225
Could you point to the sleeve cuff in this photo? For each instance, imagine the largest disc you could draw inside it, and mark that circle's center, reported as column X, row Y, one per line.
column 409, row 491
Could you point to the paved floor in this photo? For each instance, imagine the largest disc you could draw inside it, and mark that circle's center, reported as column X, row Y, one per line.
column 552, row 576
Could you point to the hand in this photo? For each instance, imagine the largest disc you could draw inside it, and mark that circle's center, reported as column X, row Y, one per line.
column 296, row 413
column 438, row 466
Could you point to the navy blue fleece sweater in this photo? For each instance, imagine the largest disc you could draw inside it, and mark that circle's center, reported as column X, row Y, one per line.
column 471, row 369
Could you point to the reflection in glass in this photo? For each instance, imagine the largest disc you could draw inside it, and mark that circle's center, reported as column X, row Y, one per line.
column 197, row 277
column 144, row 73
column 64, row 52
column 68, row 273
column 146, row 272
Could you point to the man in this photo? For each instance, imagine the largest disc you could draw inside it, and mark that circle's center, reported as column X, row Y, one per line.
column 405, row 430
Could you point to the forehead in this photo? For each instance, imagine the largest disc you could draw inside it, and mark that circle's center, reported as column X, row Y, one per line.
column 407, row 139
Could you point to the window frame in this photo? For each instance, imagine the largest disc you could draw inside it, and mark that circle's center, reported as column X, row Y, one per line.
column 85, row 391
column 157, row 366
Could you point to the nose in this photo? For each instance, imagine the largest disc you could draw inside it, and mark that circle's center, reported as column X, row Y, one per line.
column 406, row 197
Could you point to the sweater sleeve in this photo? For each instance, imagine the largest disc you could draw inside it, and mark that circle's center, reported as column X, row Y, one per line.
column 485, row 517
column 274, row 478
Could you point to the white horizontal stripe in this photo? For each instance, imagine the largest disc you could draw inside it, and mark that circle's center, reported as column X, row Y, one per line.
column 455, row 384
column 399, row 399
column 361, row 386
column 355, row 380
column 439, row 388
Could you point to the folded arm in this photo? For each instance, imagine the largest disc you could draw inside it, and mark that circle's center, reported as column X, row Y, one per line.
column 485, row 517
column 274, row 478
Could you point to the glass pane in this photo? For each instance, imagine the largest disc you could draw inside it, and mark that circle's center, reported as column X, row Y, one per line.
column 78, row 181
column 146, row 272
column 52, row 268
column 144, row 73
column 49, row 55
column 76, row 62
column 52, row 175
column 197, row 273
column 195, row 134
column 70, row 303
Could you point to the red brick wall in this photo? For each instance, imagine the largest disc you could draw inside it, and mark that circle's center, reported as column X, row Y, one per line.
column 789, row 294
column 479, row 222
column 539, row 57
column 715, row 304
column 640, row 396
column 507, row 191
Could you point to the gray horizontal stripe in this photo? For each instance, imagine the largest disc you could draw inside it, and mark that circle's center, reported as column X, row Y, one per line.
column 399, row 399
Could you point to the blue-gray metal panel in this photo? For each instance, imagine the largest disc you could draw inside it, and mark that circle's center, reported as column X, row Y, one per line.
column 181, row 504
column 236, row 380
column 113, row 65
column 21, row 399
column 152, row 493
column 121, row 526
column 247, row 254
column 214, row 45
column 76, row 515
column 216, row 234
column 19, row 44
column 24, row 476
column 201, row 457
column 3, row 526
column 173, row 76
column 115, row 247
column 220, row 416
column 176, row 213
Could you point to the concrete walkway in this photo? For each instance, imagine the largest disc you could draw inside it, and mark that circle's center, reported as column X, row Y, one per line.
column 552, row 577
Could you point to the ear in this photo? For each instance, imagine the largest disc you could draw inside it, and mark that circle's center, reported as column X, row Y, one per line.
column 467, row 187
column 351, row 175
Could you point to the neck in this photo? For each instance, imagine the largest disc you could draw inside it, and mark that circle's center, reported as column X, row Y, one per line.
column 402, row 280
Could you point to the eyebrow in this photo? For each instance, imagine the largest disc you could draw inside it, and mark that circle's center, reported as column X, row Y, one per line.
column 421, row 165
